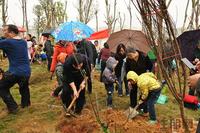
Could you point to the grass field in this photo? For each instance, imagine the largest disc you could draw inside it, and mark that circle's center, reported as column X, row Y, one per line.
column 45, row 113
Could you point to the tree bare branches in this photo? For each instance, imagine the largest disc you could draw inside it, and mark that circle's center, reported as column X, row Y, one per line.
column 24, row 13
column 111, row 18
column 86, row 10
column 158, row 26
column 4, row 8
column 121, row 20
column 51, row 13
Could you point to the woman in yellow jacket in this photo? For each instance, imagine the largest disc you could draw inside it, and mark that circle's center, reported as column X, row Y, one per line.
column 150, row 89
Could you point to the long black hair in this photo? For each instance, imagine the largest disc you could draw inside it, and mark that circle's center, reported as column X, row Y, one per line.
column 121, row 45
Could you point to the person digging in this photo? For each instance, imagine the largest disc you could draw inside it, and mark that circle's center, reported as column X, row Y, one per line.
column 150, row 89
column 75, row 75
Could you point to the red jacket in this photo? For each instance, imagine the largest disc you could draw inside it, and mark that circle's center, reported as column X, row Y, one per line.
column 104, row 54
column 69, row 49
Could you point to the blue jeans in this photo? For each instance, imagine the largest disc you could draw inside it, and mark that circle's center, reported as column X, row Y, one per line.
column 148, row 104
column 120, row 86
column 109, row 89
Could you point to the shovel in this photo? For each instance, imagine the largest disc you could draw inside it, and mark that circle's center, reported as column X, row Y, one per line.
column 68, row 110
column 131, row 112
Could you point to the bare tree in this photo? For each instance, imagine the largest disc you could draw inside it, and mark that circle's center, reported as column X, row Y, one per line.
column 96, row 17
column 59, row 13
column 50, row 13
column 65, row 9
column 194, row 18
column 24, row 14
column 185, row 17
column 39, row 21
column 4, row 4
column 130, row 12
column 85, row 10
column 121, row 21
column 111, row 19
column 150, row 10
column 47, row 7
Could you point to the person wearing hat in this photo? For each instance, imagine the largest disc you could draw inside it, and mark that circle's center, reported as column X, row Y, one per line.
column 139, row 63
column 150, row 89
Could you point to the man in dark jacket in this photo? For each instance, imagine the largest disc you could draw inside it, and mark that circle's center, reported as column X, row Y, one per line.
column 85, row 47
column 75, row 70
column 19, row 69
column 48, row 48
column 138, row 62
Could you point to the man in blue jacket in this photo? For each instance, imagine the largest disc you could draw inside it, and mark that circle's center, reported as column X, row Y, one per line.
column 19, row 68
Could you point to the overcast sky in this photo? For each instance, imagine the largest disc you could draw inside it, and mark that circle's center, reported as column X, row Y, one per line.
column 176, row 10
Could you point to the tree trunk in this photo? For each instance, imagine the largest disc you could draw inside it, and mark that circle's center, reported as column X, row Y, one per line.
column 65, row 9
column 87, row 13
column 114, row 17
column 38, row 27
column 23, row 13
column 81, row 10
column 26, row 16
column 181, row 106
column 186, row 9
column 198, row 126
column 96, row 16
column 4, row 11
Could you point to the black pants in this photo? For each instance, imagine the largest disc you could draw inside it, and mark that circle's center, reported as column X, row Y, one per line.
column 133, row 96
column 89, row 82
column 7, row 82
column 198, row 127
column 148, row 104
column 103, row 65
column 49, row 59
column 67, row 96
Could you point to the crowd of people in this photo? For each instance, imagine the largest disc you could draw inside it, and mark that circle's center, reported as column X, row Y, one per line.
column 73, row 64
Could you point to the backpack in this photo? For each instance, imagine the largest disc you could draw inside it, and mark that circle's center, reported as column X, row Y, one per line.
column 191, row 102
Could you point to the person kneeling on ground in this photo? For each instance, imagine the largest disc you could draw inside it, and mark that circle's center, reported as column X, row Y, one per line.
column 59, row 74
column 150, row 89
column 76, row 69
column 108, row 77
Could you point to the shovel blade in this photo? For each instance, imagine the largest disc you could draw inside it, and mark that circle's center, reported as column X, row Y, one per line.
column 131, row 113
column 70, row 114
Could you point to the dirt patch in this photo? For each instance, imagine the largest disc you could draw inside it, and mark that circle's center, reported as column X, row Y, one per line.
column 115, row 120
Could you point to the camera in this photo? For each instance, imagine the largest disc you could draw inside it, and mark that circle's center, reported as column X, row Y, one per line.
column 192, row 68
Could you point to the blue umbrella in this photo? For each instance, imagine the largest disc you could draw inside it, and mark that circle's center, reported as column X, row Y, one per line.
column 72, row 31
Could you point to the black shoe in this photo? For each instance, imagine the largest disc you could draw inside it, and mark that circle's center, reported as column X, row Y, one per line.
column 13, row 111
column 25, row 105
column 77, row 111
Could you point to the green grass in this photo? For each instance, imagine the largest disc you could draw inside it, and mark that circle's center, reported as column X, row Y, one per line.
column 40, row 117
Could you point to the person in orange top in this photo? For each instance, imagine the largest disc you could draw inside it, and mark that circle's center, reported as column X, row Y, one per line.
column 59, row 74
column 61, row 47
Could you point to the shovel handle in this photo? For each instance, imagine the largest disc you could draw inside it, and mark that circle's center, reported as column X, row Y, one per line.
column 73, row 100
